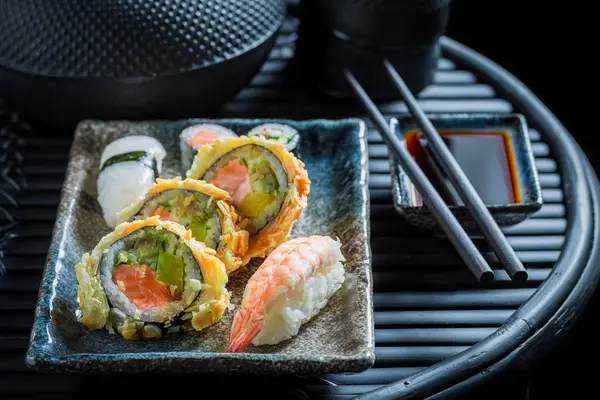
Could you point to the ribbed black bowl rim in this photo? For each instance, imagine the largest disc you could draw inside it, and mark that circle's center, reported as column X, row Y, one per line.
column 267, row 36
column 556, row 304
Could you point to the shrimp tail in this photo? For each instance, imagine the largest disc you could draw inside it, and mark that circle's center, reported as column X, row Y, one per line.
column 246, row 325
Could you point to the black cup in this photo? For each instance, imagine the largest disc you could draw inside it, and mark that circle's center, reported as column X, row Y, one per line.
column 359, row 34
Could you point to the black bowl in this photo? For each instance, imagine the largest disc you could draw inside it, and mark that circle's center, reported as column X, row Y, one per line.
column 68, row 60
column 360, row 34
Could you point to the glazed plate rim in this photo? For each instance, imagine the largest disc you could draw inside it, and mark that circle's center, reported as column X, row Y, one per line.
column 41, row 358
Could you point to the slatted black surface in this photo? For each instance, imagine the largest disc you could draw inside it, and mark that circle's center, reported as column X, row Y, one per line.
column 427, row 305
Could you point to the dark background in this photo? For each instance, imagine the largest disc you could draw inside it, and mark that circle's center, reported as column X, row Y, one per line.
column 549, row 46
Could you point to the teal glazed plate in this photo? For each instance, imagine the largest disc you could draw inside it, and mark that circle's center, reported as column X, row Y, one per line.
column 504, row 213
column 339, row 339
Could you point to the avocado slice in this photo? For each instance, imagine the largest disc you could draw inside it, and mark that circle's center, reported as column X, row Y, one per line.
column 170, row 269
column 254, row 203
column 198, row 228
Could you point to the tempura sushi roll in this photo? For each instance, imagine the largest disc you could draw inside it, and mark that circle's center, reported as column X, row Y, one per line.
column 148, row 278
column 199, row 206
column 268, row 184
column 280, row 133
column 291, row 286
column 194, row 137
column 128, row 167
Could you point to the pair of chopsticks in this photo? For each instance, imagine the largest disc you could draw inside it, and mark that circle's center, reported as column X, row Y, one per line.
column 448, row 222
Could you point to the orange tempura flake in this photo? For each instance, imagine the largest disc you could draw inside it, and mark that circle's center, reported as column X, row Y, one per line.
column 140, row 285
column 203, row 137
column 235, row 179
column 164, row 215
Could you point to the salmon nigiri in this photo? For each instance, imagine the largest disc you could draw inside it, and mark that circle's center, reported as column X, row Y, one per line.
column 291, row 286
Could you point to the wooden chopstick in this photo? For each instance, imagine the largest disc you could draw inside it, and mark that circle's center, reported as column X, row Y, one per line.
column 455, row 232
column 482, row 216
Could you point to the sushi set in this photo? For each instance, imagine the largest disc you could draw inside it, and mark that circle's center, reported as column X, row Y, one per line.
column 195, row 245
column 165, row 265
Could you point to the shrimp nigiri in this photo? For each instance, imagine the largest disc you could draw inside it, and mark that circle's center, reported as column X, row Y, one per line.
column 291, row 286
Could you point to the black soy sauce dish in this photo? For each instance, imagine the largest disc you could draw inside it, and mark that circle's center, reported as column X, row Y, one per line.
column 494, row 151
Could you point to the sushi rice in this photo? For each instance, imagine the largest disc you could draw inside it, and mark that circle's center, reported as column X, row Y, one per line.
column 268, row 184
column 198, row 300
column 201, row 207
column 128, row 167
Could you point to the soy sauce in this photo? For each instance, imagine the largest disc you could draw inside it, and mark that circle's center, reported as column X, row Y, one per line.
column 486, row 157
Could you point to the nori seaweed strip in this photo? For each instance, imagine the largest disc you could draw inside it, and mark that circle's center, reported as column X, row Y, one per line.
column 141, row 156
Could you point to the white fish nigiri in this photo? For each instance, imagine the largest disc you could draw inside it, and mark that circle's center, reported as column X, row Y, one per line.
column 128, row 168
column 291, row 286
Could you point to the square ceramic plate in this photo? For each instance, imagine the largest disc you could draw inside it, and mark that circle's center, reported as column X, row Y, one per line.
column 339, row 339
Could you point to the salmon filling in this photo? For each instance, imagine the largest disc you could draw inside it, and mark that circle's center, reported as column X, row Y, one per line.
column 141, row 286
column 203, row 137
column 234, row 179
column 164, row 215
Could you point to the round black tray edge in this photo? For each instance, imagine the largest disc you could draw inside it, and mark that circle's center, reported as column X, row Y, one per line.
column 536, row 319
column 543, row 340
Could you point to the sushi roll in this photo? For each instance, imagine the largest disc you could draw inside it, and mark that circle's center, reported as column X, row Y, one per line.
column 291, row 287
column 194, row 137
column 269, row 186
column 148, row 278
column 199, row 206
column 128, row 167
column 280, row 133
